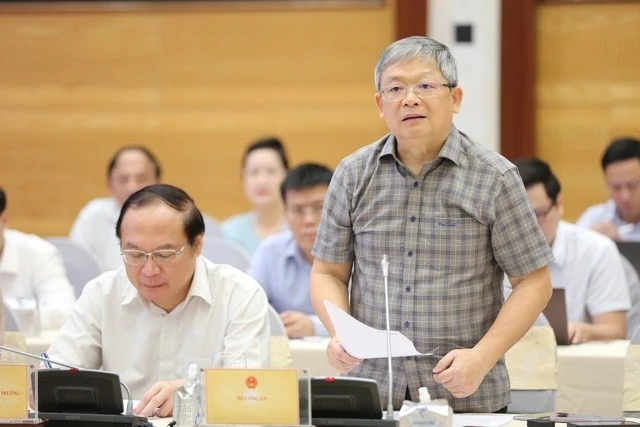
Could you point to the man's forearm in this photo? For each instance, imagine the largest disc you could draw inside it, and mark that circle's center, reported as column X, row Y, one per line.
column 529, row 297
column 608, row 326
column 327, row 287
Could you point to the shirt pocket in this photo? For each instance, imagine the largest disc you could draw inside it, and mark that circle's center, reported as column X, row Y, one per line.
column 458, row 245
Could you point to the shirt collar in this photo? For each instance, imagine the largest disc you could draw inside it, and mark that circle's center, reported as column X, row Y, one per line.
column 559, row 245
column 199, row 286
column 452, row 148
column 292, row 251
column 9, row 260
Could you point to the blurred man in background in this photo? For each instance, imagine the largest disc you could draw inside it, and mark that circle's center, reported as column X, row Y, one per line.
column 282, row 263
column 619, row 217
column 31, row 269
column 130, row 169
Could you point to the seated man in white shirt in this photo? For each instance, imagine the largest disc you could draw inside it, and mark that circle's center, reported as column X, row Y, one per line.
column 166, row 306
column 619, row 217
column 282, row 263
column 31, row 267
column 587, row 265
column 130, row 169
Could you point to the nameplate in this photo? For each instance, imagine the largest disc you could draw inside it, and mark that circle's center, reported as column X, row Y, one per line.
column 13, row 391
column 252, row 396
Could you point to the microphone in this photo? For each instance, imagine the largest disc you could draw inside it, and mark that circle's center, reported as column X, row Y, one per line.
column 129, row 410
column 384, row 263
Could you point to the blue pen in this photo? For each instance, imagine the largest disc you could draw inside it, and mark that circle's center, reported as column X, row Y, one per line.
column 47, row 364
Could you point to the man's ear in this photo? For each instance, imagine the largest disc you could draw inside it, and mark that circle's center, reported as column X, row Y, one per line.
column 560, row 204
column 378, row 100
column 198, row 244
column 456, row 98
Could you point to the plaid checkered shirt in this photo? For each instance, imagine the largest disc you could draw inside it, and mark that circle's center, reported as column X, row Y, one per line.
column 451, row 233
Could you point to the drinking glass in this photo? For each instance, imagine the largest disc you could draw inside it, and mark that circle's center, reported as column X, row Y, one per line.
column 27, row 314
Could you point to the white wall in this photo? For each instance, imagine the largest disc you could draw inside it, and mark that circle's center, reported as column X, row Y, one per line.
column 478, row 63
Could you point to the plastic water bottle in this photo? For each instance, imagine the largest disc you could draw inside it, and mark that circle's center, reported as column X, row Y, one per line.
column 186, row 403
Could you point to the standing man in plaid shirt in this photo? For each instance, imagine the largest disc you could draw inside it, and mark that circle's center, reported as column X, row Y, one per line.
column 453, row 217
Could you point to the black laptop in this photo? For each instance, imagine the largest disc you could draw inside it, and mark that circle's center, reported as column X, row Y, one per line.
column 556, row 314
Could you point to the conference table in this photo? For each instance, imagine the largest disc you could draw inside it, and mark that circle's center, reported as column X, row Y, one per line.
column 589, row 376
column 459, row 420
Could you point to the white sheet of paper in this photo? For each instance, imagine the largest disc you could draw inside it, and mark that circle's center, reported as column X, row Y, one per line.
column 490, row 420
column 365, row 342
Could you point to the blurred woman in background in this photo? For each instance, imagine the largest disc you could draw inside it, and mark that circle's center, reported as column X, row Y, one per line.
column 264, row 167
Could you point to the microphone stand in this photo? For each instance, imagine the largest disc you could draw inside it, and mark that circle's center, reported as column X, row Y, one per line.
column 129, row 410
column 385, row 272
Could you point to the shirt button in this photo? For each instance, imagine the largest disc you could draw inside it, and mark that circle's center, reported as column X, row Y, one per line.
column 408, row 289
column 415, row 184
column 413, row 219
column 410, row 253
column 407, row 358
column 406, row 324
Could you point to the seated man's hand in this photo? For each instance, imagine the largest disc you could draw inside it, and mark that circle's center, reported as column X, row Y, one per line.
column 607, row 228
column 461, row 371
column 158, row 401
column 297, row 324
column 339, row 358
column 579, row 332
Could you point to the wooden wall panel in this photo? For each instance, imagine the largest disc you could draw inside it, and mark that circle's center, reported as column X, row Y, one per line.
column 195, row 86
column 588, row 91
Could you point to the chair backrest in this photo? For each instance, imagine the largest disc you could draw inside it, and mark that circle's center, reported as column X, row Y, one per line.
column 222, row 251
column 211, row 226
column 631, row 384
column 80, row 265
column 277, row 327
column 10, row 319
column 532, row 366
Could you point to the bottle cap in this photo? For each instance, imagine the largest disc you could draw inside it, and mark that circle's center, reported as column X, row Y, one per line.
column 423, row 393
column 193, row 371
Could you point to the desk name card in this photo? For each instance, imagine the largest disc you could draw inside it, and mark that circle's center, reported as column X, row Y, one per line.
column 252, row 396
column 14, row 397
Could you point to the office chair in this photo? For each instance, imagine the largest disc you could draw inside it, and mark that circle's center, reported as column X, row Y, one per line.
column 10, row 320
column 277, row 327
column 211, row 226
column 280, row 350
column 79, row 264
column 222, row 251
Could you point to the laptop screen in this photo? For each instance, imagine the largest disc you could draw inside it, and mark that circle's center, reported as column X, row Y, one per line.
column 556, row 314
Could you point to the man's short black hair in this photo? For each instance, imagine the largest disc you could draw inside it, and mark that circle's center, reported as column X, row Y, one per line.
column 534, row 171
column 271, row 143
column 3, row 200
column 171, row 196
column 144, row 150
column 307, row 175
column 621, row 149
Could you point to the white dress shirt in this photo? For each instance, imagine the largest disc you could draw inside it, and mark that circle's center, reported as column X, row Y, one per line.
column 115, row 328
column 588, row 266
column 95, row 230
column 31, row 267
column 606, row 212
